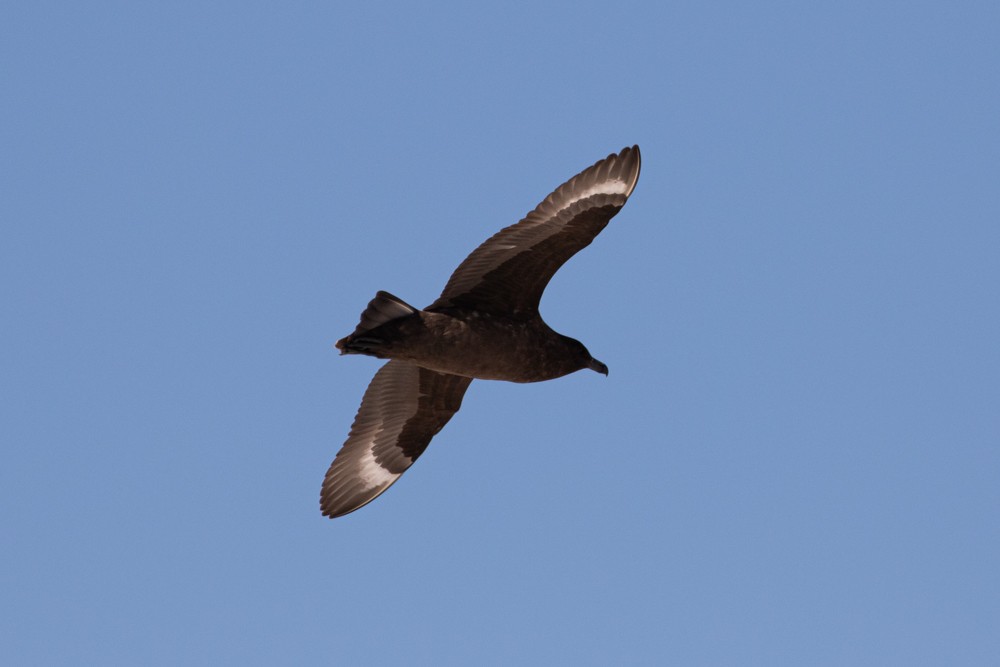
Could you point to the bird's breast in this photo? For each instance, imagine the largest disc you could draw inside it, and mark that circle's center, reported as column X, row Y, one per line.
column 485, row 347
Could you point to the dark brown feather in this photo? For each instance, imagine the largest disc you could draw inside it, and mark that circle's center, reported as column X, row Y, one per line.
column 508, row 273
column 402, row 409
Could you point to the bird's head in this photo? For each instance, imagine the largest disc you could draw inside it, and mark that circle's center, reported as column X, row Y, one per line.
column 582, row 357
column 596, row 365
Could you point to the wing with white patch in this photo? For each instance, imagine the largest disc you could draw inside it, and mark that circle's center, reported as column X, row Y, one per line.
column 508, row 273
column 402, row 409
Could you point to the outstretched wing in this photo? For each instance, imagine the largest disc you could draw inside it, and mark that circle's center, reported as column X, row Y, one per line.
column 508, row 273
column 402, row 409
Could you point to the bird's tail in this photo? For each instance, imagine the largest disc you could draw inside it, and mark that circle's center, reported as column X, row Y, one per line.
column 383, row 308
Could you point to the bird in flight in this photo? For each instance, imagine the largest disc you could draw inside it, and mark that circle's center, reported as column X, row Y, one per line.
column 485, row 325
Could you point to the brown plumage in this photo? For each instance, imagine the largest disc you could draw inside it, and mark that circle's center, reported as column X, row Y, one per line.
column 484, row 325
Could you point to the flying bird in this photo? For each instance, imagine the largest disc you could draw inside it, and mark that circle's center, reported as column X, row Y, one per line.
column 485, row 325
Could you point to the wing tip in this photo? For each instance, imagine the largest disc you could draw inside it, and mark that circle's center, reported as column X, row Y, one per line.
column 631, row 165
column 334, row 511
column 332, row 507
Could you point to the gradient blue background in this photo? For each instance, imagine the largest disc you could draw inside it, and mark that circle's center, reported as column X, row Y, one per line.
column 794, row 461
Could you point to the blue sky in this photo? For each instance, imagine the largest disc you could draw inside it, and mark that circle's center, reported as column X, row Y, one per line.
column 794, row 460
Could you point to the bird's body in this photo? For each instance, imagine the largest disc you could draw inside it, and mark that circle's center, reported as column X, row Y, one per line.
column 475, row 345
column 485, row 325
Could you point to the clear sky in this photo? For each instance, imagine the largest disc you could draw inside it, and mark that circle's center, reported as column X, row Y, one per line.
column 795, row 459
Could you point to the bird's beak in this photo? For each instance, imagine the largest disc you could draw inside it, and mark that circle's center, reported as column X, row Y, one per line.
column 595, row 365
